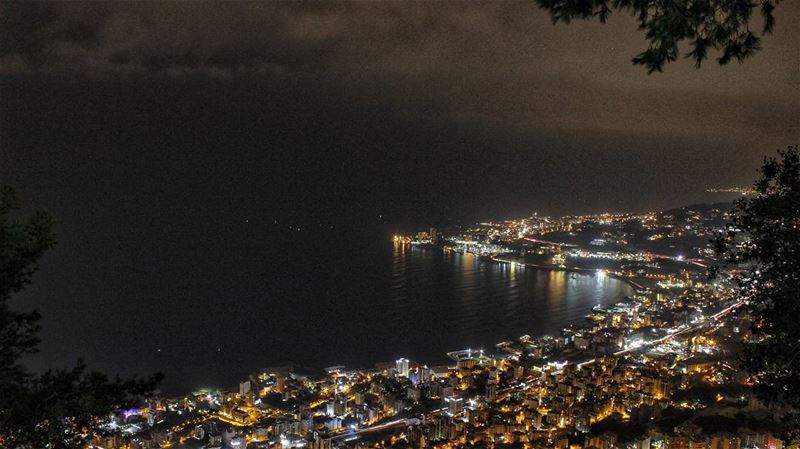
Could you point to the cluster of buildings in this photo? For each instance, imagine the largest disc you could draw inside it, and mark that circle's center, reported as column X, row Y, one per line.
column 657, row 370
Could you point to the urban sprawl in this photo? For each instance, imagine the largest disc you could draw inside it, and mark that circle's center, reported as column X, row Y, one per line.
column 656, row 370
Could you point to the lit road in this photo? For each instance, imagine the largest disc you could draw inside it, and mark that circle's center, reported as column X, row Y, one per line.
column 546, row 242
column 722, row 313
column 505, row 392
column 403, row 422
column 353, row 434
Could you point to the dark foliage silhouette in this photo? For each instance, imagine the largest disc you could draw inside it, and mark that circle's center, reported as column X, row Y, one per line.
column 58, row 408
column 722, row 25
column 762, row 241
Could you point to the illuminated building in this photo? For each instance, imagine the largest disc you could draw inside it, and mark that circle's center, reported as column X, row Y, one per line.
column 245, row 388
column 454, row 405
column 401, row 365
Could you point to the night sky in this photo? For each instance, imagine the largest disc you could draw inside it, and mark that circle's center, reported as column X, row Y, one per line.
column 166, row 136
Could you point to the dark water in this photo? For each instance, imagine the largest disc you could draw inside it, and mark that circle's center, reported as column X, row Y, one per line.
column 462, row 301
column 355, row 307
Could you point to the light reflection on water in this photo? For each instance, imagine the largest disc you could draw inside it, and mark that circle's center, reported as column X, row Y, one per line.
column 459, row 300
column 372, row 305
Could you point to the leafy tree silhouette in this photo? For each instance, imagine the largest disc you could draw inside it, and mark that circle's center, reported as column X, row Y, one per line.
column 762, row 242
column 723, row 25
column 56, row 409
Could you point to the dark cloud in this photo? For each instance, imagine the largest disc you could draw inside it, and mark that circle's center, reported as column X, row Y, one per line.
column 497, row 64
column 495, row 76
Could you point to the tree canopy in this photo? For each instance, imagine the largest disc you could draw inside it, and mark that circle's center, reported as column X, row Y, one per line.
column 762, row 242
column 58, row 408
column 722, row 25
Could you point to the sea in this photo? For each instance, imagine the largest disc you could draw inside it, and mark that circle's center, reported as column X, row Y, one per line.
column 314, row 302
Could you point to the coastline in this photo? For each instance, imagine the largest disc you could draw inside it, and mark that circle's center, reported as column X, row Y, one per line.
column 633, row 284
column 446, row 359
